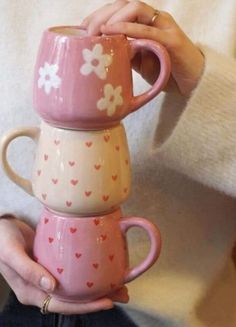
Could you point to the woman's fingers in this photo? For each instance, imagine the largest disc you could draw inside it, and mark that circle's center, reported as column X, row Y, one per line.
column 78, row 308
column 125, row 11
column 28, row 294
column 18, row 260
column 133, row 11
column 136, row 30
column 101, row 16
column 25, row 292
column 120, row 295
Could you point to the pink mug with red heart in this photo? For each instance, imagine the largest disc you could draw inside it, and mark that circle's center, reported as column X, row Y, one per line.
column 88, row 256
column 85, row 82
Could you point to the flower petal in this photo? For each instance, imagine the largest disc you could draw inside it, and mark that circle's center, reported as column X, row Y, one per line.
column 47, row 87
column 106, row 60
column 86, row 69
column 42, row 71
column 87, row 55
column 55, row 81
column 108, row 90
column 111, row 109
column 53, row 69
column 102, row 104
column 41, row 82
column 97, row 51
column 119, row 100
column 100, row 71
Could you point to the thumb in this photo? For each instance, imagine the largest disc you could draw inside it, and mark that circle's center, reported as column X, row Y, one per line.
column 29, row 270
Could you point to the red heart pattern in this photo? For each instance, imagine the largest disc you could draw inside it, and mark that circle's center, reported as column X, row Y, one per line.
column 89, row 144
column 105, row 198
column 96, row 221
column 44, row 196
column 68, row 204
column 78, row 255
column 106, row 138
column 97, row 167
column 114, row 177
column 103, row 237
column 95, row 265
column 71, row 163
column 74, row 182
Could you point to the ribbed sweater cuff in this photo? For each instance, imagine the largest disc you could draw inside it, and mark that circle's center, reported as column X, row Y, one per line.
column 203, row 143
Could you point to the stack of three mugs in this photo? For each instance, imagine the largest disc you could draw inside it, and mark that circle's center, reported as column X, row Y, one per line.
column 81, row 173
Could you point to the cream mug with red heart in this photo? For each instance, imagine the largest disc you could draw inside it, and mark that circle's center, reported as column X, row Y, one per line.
column 85, row 82
column 89, row 256
column 75, row 172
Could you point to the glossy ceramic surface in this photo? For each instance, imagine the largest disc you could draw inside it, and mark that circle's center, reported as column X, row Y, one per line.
column 89, row 256
column 76, row 172
column 85, row 82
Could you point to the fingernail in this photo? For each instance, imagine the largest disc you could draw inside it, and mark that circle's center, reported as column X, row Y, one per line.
column 46, row 284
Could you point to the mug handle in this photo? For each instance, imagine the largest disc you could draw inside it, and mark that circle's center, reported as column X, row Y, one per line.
column 155, row 240
column 165, row 69
column 31, row 132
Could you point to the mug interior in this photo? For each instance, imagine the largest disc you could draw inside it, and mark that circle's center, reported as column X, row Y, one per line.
column 69, row 30
column 80, row 32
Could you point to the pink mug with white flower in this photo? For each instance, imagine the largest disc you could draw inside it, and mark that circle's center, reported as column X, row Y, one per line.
column 85, row 82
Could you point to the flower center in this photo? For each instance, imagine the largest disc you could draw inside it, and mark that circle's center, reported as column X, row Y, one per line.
column 95, row 62
column 47, row 77
column 112, row 98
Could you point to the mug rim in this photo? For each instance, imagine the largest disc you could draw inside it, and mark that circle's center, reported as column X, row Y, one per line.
column 55, row 30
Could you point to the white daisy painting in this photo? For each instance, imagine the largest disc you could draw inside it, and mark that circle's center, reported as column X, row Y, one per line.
column 48, row 77
column 111, row 100
column 95, row 61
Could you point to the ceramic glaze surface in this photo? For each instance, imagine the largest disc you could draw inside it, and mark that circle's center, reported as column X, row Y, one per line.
column 80, row 172
column 85, row 82
column 76, row 172
column 89, row 256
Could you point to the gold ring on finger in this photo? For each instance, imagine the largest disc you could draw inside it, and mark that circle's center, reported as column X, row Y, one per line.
column 155, row 16
column 44, row 308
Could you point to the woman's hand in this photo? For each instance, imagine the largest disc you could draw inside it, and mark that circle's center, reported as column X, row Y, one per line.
column 30, row 281
column 134, row 19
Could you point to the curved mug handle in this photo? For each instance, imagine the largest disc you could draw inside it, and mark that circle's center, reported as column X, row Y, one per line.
column 165, row 69
column 155, row 240
column 31, row 132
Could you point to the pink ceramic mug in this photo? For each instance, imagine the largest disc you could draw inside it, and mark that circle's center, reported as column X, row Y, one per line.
column 88, row 255
column 85, row 82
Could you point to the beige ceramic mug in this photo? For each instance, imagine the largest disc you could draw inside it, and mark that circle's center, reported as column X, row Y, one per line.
column 75, row 172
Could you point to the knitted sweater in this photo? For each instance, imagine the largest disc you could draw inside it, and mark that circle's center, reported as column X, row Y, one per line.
column 183, row 160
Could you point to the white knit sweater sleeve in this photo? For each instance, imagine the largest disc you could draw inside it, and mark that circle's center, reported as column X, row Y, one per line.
column 202, row 144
